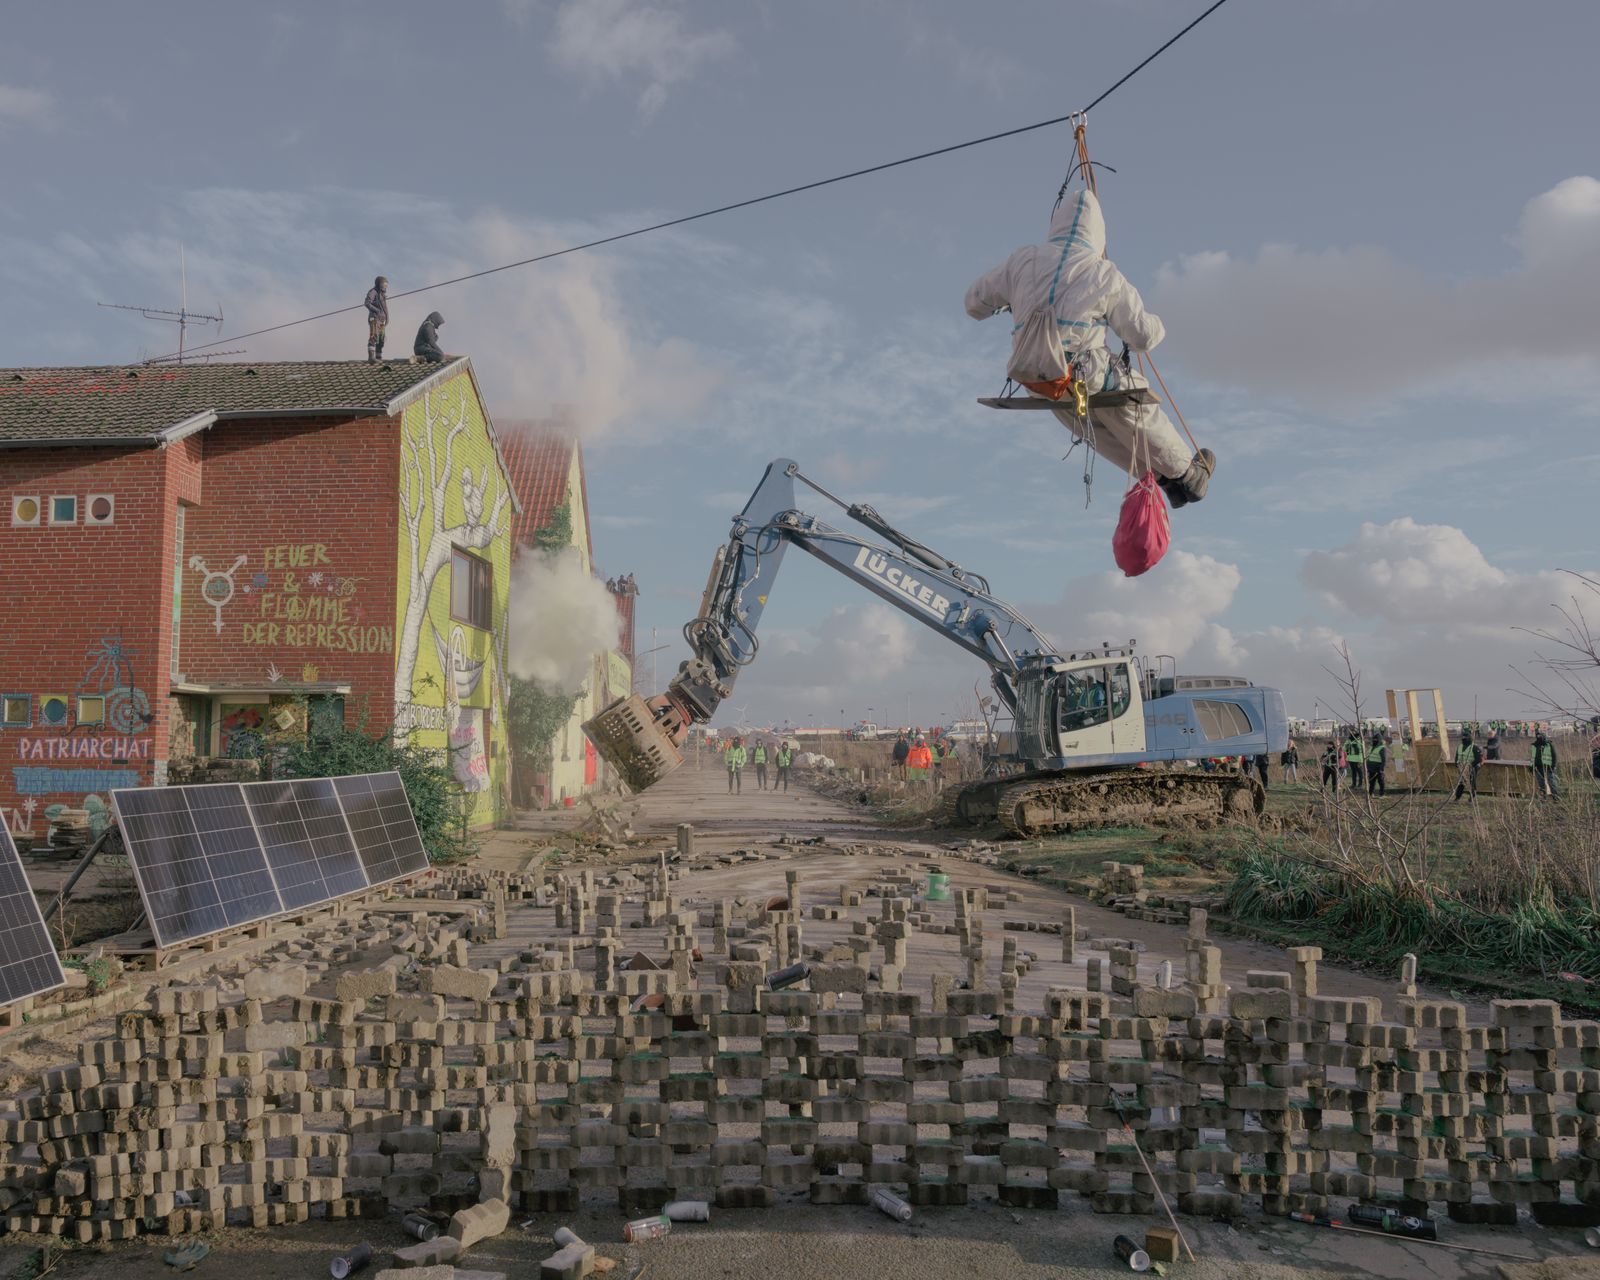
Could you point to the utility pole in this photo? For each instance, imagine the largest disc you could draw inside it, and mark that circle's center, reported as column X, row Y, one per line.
column 182, row 317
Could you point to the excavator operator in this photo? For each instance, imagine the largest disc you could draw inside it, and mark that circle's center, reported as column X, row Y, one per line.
column 1069, row 279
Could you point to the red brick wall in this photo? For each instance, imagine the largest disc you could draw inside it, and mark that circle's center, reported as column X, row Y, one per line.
column 81, row 611
column 312, row 508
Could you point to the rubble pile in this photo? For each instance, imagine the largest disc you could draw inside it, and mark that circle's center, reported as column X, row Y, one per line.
column 644, row 1048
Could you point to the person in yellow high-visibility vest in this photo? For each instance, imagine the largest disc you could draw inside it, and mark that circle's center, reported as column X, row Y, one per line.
column 734, row 758
column 758, row 757
column 785, row 760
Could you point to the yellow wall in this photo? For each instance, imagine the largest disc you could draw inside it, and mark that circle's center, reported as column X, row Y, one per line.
column 567, row 753
column 450, row 682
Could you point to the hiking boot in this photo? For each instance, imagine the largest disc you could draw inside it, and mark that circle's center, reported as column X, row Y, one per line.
column 1177, row 495
column 1198, row 477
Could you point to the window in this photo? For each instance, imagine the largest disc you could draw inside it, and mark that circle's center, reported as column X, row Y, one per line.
column 53, row 709
column 16, row 710
column 99, row 509
column 324, row 716
column 1082, row 699
column 91, row 708
column 1221, row 719
column 63, row 509
column 25, row 511
column 471, row 589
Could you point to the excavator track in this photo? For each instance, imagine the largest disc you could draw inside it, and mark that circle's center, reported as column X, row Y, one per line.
column 1048, row 803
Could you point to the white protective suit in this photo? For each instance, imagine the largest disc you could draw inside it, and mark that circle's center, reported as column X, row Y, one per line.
column 1072, row 277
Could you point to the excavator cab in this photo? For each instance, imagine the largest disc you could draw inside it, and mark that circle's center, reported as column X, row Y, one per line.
column 1081, row 709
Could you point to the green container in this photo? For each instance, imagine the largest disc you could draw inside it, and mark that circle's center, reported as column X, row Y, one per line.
column 938, row 887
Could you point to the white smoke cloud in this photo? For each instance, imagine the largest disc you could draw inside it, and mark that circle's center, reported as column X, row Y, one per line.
column 1349, row 323
column 561, row 616
column 555, row 341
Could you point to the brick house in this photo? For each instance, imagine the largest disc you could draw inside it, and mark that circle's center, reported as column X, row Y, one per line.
column 548, row 476
column 192, row 556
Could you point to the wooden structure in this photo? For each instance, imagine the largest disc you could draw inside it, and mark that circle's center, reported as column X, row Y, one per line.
column 1431, row 764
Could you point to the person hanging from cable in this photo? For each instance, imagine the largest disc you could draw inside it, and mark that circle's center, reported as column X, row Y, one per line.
column 1065, row 296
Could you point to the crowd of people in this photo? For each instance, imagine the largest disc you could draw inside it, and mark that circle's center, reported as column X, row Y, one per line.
column 916, row 759
column 758, row 754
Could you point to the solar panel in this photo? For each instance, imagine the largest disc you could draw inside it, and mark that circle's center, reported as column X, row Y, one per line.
column 197, row 859
column 306, row 840
column 384, row 828
column 29, row 965
column 208, row 858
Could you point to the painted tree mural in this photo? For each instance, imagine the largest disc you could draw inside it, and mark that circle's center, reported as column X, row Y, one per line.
column 441, row 507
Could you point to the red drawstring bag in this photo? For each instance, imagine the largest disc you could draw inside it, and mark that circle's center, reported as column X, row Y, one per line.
column 1144, row 529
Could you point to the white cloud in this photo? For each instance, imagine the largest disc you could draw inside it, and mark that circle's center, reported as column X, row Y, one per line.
column 643, row 42
column 557, row 341
column 24, row 106
column 1354, row 324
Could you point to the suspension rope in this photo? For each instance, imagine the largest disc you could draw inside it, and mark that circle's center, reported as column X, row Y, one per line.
column 1078, row 115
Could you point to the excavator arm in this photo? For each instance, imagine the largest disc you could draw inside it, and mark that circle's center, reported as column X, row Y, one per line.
column 642, row 740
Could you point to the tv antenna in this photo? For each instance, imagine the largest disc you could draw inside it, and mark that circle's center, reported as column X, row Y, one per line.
column 182, row 317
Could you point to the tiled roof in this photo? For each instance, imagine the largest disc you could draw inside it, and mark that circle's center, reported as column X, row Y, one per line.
column 148, row 404
column 540, row 465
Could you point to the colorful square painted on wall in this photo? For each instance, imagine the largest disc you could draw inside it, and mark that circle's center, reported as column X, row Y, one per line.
column 91, row 708
column 16, row 710
column 53, row 710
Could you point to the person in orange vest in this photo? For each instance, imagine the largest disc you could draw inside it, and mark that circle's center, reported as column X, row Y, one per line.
column 919, row 760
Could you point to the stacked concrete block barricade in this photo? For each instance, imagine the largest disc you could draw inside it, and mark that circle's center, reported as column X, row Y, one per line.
column 607, row 1060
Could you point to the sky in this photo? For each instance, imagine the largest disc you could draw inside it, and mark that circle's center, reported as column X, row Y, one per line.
column 1372, row 229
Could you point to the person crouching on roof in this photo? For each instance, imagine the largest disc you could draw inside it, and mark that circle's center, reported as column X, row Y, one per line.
column 1070, row 281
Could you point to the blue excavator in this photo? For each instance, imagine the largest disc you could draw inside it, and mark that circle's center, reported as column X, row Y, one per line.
column 1102, row 736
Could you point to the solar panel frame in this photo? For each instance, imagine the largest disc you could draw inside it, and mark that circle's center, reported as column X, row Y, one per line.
column 251, row 851
column 221, row 879
column 299, row 817
column 29, row 965
column 382, row 825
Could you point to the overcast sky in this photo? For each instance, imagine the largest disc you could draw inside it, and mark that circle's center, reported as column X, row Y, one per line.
column 1372, row 228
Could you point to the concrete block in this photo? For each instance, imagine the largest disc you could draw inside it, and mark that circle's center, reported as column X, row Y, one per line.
column 480, row 1222
column 416, row 1273
column 450, row 980
column 571, row 1263
column 276, row 982
column 427, row 1253
column 358, row 985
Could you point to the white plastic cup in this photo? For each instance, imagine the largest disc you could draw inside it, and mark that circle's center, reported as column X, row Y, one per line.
column 565, row 1236
column 688, row 1211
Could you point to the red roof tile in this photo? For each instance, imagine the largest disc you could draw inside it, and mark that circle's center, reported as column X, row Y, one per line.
column 540, row 464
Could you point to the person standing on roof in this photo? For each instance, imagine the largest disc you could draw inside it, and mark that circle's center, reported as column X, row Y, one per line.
column 377, row 318
column 427, row 347
column 1069, row 291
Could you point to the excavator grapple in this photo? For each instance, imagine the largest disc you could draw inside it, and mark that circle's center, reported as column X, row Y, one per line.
column 636, row 741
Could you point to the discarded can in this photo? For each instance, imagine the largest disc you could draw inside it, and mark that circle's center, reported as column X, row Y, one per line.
column 781, row 978
column 1394, row 1223
column 1130, row 1252
column 889, row 1203
column 1591, row 1237
column 421, row 1227
column 347, row 1264
column 565, row 1236
column 646, row 1229
column 688, row 1211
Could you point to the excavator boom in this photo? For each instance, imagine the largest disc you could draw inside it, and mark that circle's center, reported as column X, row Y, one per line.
column 1074, row 713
